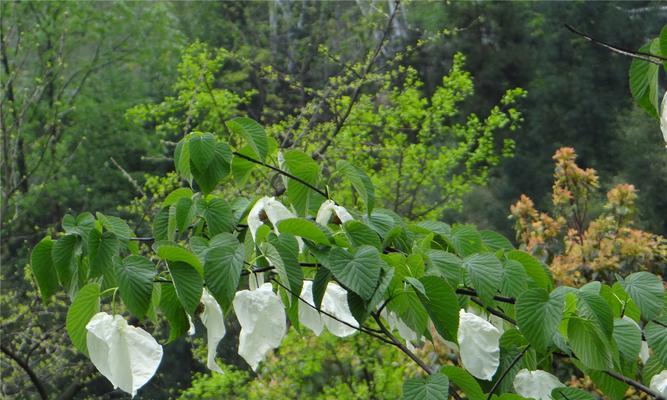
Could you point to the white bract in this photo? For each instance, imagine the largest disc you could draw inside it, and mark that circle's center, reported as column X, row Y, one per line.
column 327, row 209
column 262, row 317
column 659, row 383
column 663, row 118
column 214, row 321
column 334, row 302
column 275, row 212
column 479, row 345
column 127, row 356
column 535, row 384
column 397, row 324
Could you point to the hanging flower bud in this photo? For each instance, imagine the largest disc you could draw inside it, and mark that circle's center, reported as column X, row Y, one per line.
column 214, row 321
column 262, row 317
column 479, row 345
column 267, row 208
column 663, row 118
column 535, row 384
column 126, row 355
column 327, row 209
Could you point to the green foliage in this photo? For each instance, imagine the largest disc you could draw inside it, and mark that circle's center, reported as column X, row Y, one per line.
column 358, row 258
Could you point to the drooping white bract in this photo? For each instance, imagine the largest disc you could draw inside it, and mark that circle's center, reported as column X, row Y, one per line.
column 262, row 317
column 496, row 321
column 334, row 302
column 663, row 118
column 327, row 209
column 536, row 384
column 395, row 323
column 479, row 345
column 126, row 355
column 214, row 321
column 659, row 383
column 275, row 212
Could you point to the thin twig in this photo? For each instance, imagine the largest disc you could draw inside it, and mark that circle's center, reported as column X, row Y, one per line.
column 472, row 292
column 493, row 311
column 282, row 172
column 505, row 372
column 401, row 346
column 127, row 176
column 637, row 385
column 28, row 370
column 652, row 58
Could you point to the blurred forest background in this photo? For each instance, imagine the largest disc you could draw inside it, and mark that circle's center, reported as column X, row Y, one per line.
column 95, row 93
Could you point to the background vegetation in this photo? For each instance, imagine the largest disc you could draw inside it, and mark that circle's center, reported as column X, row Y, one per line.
column 474, row 97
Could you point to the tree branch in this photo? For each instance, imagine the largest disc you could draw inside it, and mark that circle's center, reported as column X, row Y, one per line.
column 505, row 372
column 648, row 57
column 28, row 370
column 357, row 91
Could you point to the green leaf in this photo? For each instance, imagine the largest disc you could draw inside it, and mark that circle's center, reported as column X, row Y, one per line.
column 63, row 255
column 628, row 338
column 446, row 265
column 465, row 239
column 173, row 310
column 464, row 381
column 409, row 308
column 322, row 278
column 647, row 291
column 182, row 159
column 287, row 265
column 432, row 387
column 486, row 273
column 656, row 336
column 360, row 182
column 611, row 387
column 644, row 80
column 222, row 271
column 161, row 224
column 303, row 198
column 202, row 150
column 102, row 247
column 176, row 195
column 252, row 132
column 218, row 168
column 562, row 393
column 495, row 241
column 172, row 252
column 45, row 273
column 589, row 344
column 441, row 305
column 188, row 284
column 185, row 213
column 135, row 282
column 360, row 234
column 514, row 279
column 116, row 225
column 360, row 271
column 538, row 316
column 85, row 305
column 304, row 228
column 218, row 216
column 535, row 269
column 593, row 307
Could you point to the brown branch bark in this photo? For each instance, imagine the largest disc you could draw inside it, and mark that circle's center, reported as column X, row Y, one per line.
column 27, row 369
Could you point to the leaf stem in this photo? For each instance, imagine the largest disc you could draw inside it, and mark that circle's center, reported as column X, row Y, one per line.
column 506, row 371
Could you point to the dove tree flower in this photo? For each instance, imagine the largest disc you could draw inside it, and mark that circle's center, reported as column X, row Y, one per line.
column 659, row 383
column 214, row 321
column 126, row 355
column 275, row 212
column 479, row 345
column 663, row 118
column 329, row 208
column 397, row 324
column 334, row 302
column 535, row 384
column 262, row 317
